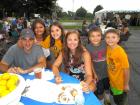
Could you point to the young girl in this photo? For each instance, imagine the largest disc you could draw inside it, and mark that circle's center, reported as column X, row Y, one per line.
column 55, row 39
column 39, row 30
column 76, row 60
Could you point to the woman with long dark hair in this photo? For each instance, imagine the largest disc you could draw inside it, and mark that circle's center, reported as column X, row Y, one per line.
column 76, row 60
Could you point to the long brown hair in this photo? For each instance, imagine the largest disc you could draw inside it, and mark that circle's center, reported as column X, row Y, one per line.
column 52, row 40
column 66, row 51
column 45, row 34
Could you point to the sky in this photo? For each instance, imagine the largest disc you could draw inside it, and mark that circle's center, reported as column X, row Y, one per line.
column 89, row 5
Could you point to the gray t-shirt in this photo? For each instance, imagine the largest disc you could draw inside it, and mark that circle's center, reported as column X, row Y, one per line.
column 16, row 56
column 98, row 55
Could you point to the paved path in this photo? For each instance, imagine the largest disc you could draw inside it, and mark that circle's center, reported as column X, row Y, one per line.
column 132, row 47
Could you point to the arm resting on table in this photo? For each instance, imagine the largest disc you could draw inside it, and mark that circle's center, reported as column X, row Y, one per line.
column 41, row 64
column 88, row 70
column 3, row 67
column 56, row 65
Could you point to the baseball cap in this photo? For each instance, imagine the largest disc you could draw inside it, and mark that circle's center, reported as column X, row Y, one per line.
column 27, row 33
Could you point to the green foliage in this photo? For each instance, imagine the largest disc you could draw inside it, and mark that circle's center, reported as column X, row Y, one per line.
column 89, row 16
column 81, row 12
column 64, row 14
column 71, row 14
column 30, row 6
column 59, row 11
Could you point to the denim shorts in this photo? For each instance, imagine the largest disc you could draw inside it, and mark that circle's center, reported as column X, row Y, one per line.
column 102, row 85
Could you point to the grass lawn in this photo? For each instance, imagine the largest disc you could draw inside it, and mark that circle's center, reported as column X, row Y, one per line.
column 72, row 27
column 68, row 20
column 80, row 27
column 72, row 21
column 80, row 21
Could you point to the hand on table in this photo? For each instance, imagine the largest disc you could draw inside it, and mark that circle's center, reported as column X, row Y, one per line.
column 12, row 70
column 58, row 79
column 16, row 70
column 85, row 86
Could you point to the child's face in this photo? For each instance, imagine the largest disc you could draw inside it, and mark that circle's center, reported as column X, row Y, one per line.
column 95, row 38
column 39, row 29
column 72, row 41
column 56, row 32
column 112, row 39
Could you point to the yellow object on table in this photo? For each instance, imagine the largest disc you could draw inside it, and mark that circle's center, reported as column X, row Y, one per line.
column 8, row 83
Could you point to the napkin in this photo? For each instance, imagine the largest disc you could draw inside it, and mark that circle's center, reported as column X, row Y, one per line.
column 42, row 91
column 47, row 75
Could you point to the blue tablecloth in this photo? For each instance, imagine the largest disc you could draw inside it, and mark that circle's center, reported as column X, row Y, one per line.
column 90, row 98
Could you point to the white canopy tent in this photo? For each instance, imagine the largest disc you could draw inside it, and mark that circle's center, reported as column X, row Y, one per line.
column 120, row 6
column 118, row 11
column 125, row 10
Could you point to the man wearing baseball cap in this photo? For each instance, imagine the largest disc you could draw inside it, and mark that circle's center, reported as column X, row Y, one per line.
column 26, row 59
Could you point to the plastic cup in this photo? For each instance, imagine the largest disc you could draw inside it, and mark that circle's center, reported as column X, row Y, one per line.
column 38, row 73
column 79, row 99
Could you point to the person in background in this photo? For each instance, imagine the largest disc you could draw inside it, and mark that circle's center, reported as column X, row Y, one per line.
column 92, row 25
column 19, row 25
column 124, row 32
column 118, row 67
column 14, row 34
column 76, row 60
column 26, row 58
column 84, row 28
column 111, row 23
column 97, row 22
column 97, row 48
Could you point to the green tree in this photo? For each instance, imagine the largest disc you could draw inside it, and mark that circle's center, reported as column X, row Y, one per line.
column 81, row 12
column 59, row 10
column 44, row 6
column 64, row 14
column 70, row 13
column 28, row 6
column 89, row 15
